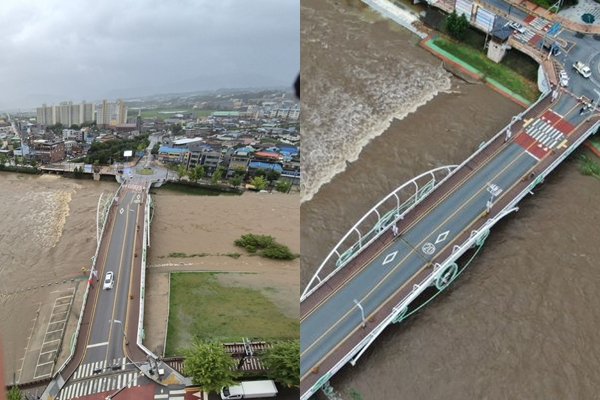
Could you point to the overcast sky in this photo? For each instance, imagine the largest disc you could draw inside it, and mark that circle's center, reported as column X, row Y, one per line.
column 83, row 50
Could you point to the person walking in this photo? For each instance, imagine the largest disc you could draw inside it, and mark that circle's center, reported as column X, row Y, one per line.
column 395, row 230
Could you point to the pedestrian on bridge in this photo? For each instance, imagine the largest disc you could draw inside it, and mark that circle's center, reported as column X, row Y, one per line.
column 395, row 230
column 508, row 135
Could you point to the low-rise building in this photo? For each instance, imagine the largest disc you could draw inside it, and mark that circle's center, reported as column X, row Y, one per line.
column 239, row 159
column 172, row 155
column 69, row 146
column 49, row 152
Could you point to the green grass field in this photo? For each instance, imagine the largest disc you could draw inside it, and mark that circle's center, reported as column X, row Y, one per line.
column 200, row 306
column 500, row 73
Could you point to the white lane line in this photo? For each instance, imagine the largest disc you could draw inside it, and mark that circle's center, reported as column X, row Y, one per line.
column 526, row 151
column 97, row 345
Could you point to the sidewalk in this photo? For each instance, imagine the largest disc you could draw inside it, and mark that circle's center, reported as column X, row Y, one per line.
column 570, row 18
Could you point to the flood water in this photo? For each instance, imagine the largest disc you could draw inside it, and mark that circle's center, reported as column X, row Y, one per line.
column 522, row 320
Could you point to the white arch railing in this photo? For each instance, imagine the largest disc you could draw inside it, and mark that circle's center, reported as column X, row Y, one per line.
column 377, row 221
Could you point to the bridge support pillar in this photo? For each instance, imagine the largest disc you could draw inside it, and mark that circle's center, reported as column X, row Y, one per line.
column 330, row 392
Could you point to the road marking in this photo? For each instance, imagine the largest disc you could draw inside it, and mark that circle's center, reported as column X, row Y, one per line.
column 389, row 258
column 121, row 210
column 428, row 248
column 441, row 237
column 527, row 151
column 97, row 345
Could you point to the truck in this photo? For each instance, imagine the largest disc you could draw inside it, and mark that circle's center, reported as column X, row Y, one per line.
column 583, row 69
column 249, row 390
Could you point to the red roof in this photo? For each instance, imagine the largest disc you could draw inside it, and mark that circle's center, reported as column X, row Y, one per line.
column 267, row 154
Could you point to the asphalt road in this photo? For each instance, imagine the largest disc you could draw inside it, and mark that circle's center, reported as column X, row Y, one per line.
column 106, row 339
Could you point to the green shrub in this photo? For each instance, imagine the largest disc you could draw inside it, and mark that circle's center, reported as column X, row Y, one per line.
column 270, row 248
column 258, row 241
column 278, row 252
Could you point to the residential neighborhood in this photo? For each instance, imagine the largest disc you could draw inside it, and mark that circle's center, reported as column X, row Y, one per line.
column 240, row 134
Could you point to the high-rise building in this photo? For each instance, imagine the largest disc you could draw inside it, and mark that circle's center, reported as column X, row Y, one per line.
column 66, row 113
column 110, row 114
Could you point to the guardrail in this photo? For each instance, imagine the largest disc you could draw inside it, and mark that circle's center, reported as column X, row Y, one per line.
column 145, row 239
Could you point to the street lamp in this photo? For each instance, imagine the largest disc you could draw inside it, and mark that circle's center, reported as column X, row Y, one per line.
column 362, row 313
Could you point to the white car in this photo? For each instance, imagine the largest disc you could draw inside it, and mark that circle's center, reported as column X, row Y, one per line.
column 563, row 78
column 517, row 27
column 109, row 281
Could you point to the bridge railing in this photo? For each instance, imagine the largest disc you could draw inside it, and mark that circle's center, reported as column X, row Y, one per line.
column 146, row 242
column 374, row 223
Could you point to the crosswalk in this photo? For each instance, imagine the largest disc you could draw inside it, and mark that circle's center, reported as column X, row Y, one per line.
column 134, row 187
column 540, row 23
column 85, row 370
column 547, row 136
column 100, row 384
column 525, row 37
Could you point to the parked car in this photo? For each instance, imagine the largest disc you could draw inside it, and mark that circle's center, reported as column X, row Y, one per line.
column 109, row 281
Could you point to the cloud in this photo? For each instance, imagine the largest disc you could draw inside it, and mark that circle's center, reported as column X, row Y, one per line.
column 82, row 49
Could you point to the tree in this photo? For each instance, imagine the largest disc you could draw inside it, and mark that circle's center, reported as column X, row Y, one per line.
column 272, row 175
column 180, row 171
column 235, row 180
column 192, row 175
column 32, row 162
column 200, row 172
column 283, row 362
column 216, row 176
column 260, row 172
column 155, row 148
column 259, row 182
column 14, row 394
column 209, row 365
column 457, row 25
column 176, row 129
column 241, row 171
column 283, row 186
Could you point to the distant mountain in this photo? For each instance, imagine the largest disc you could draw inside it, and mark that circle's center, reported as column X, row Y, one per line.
column 203, row 83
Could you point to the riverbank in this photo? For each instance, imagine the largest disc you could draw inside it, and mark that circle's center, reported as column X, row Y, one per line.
column 208, row 225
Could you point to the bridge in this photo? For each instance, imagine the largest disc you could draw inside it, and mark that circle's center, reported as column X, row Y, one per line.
column 412, row 244
column 107, row 354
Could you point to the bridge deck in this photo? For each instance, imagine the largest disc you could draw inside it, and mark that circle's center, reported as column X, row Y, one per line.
column 384, row 274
